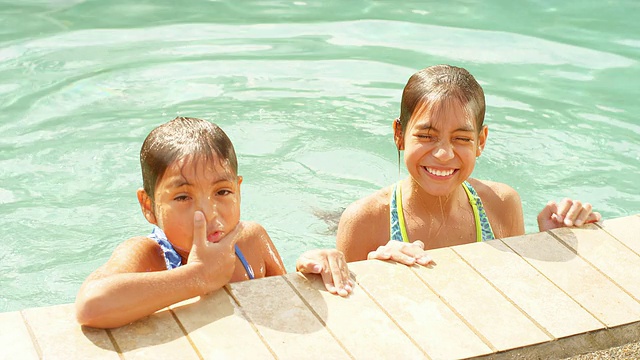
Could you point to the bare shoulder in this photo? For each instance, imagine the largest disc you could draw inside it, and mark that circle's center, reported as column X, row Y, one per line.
column 503, row 206
column 137, row 254
column 364, row 225
column 495, row 192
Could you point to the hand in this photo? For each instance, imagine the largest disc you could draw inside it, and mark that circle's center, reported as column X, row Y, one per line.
column 567, row 213
column 216, row 260
column 402, row 252
column 329, row 263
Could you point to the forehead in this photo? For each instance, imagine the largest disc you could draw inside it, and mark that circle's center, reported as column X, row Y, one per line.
column 448, row 113
column 193, row 169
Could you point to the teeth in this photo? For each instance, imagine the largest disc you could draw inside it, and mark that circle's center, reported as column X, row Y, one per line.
column 440, row 172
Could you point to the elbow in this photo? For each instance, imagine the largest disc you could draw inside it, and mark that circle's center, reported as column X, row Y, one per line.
column 92, row 311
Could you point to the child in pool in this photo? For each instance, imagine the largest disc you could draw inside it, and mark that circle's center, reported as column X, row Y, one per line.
column 441, row 131
column 192, row 195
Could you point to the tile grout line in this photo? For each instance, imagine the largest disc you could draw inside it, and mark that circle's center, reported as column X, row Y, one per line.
column 455, row 312
column 618, row 240
column 318, row 317
column 406, row 333
column 595, row 267
column 186, row 333
column 34, row 341
column 556, row 285
column 114, row 343
column 227, row 288
column 542, row 328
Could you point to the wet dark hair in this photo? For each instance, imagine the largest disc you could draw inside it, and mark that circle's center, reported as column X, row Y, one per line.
column 440, row 83
column 179, row 138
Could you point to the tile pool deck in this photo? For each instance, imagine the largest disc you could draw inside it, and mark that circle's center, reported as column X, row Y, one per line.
column 546, row 295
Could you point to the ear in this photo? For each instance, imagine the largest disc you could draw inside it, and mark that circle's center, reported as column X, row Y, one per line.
column 482, row 140
column 146, row 205
column 398, row 135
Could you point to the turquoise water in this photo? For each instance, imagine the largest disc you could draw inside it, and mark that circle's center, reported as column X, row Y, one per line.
column 307, row 91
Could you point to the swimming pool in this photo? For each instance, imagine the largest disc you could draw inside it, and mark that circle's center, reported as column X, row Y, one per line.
column 307, row 91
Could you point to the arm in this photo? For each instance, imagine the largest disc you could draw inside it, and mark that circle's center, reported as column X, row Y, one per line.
column 130, row 285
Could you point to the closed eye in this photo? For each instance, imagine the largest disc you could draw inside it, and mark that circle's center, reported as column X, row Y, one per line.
column 464, row 139
column 181, row 198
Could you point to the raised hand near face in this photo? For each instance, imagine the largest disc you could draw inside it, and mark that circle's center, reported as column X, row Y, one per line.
column 214, row 261
column 568, row 213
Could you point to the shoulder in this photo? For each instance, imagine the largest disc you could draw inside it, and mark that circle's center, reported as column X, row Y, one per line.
column 372, row 206
column 503, row 206
column 137, row 254
column 364, row 225
column 495, row 192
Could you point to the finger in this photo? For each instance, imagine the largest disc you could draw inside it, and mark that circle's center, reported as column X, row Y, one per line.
column 593, row 218
column 563, row 208
column 403, row 258
column 583, row 214
column 425, row 260
column 548, row 211
column 573, row 213
column 337, row 276
column 230, row 239
column 199, row 230
column 379, row 255
column 305, row 264
column 419, row 244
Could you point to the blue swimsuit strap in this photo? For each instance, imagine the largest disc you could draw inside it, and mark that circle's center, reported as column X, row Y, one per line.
column 173, row 259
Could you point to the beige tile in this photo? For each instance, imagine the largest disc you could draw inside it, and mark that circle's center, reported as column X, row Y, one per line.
column 597, row 294
column 625, row 229
column 59, row 336
column 607, row 254
column 483, row 307
column 154, row 337
column 15, row 340
column 284, row 321
column 429, row 321
column 360, row 325
column 528, row 289
column 218, row 329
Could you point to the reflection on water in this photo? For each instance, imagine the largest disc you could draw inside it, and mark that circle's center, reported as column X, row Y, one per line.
column 307, row 91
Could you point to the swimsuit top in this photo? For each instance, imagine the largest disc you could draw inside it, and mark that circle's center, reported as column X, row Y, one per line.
column 398, row 229
column 173, row 259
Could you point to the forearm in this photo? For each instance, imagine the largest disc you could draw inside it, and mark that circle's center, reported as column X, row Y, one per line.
column 119, row 299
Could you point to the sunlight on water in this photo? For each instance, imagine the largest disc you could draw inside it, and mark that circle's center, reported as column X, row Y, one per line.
column 307, row 91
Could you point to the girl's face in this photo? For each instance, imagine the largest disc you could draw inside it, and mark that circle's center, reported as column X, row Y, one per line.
column 440, row 146
column 192, row 184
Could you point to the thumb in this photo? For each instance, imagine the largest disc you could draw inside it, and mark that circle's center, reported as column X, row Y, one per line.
column 309, row 264
column 199, row 230
column 546, row 213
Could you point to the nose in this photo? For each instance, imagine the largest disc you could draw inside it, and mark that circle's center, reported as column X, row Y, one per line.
column 443, row 151
column 209, row 208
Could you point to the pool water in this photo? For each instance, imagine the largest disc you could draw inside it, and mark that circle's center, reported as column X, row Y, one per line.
column 307, row 91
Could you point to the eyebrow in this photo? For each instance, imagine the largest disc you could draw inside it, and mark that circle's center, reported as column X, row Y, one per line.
column 179, row 182
column 429, row 127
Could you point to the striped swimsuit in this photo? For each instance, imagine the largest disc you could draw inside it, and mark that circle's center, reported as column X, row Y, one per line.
column 398, row 228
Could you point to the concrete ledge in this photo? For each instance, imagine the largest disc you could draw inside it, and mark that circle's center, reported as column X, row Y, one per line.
column 547, row 295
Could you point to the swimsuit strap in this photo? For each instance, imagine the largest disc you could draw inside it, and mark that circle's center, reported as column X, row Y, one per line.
column 171, row 256
column 483, row 227
column 173, row 259
column 398, row 230
column 245, row 263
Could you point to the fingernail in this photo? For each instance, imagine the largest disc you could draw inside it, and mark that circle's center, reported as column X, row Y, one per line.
column 348, row 288
column 317, row 268
column 199, row 216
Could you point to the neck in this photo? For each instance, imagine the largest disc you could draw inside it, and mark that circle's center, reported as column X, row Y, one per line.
column 433, row 204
